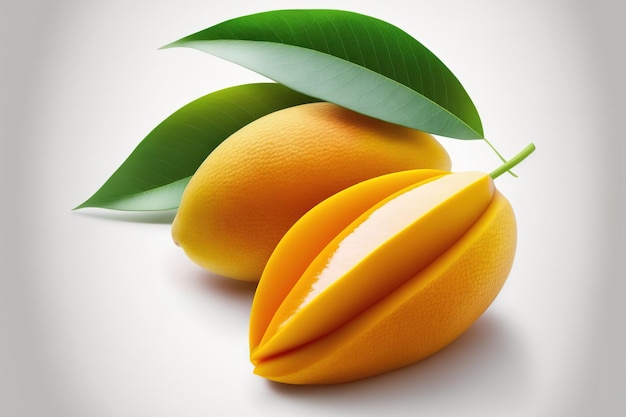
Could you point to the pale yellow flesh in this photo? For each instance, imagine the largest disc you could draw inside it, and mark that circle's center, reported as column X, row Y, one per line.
column 380, row 250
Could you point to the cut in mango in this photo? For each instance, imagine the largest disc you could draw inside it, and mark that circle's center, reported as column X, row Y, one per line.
column 381, row 275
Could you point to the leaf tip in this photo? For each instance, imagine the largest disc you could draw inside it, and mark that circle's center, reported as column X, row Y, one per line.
column 177, row 43
column 81, row 206
column 168, row 46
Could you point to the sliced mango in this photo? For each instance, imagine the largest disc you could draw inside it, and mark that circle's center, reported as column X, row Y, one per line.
column 372, row 280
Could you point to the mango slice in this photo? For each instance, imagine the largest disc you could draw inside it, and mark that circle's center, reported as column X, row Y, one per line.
column 381, row 275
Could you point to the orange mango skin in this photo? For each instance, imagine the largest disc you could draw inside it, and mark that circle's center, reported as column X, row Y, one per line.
column 414, row 321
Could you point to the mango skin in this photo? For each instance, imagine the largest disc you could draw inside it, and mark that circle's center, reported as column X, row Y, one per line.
column 417, row 319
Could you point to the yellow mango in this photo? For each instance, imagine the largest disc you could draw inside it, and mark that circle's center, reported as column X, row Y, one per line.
column 254, row 186
column 381, row 275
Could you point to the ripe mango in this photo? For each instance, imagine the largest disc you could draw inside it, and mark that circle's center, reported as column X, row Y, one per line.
column 381, row 275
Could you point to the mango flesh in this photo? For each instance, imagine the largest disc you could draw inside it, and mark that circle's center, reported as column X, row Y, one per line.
column 341, row 288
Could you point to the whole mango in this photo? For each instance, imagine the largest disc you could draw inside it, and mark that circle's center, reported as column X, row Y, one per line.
column 254, row 186
column 381, row 275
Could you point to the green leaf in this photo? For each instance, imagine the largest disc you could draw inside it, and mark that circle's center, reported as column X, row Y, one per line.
column 155, row 174
column 349, row 59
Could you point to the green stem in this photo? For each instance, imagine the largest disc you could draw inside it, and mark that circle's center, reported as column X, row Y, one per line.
column 493, row 148
column 513, row 161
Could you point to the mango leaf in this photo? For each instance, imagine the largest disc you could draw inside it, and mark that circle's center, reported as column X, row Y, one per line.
column 349, row 59
column 155, row 174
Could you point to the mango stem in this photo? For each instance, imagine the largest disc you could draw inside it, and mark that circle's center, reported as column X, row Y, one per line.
column 493, row 148
column 513, row 161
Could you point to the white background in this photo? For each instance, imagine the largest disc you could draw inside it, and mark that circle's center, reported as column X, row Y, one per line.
column 105, row 317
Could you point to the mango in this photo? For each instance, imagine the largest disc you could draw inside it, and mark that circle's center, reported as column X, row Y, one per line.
column 381, row 275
